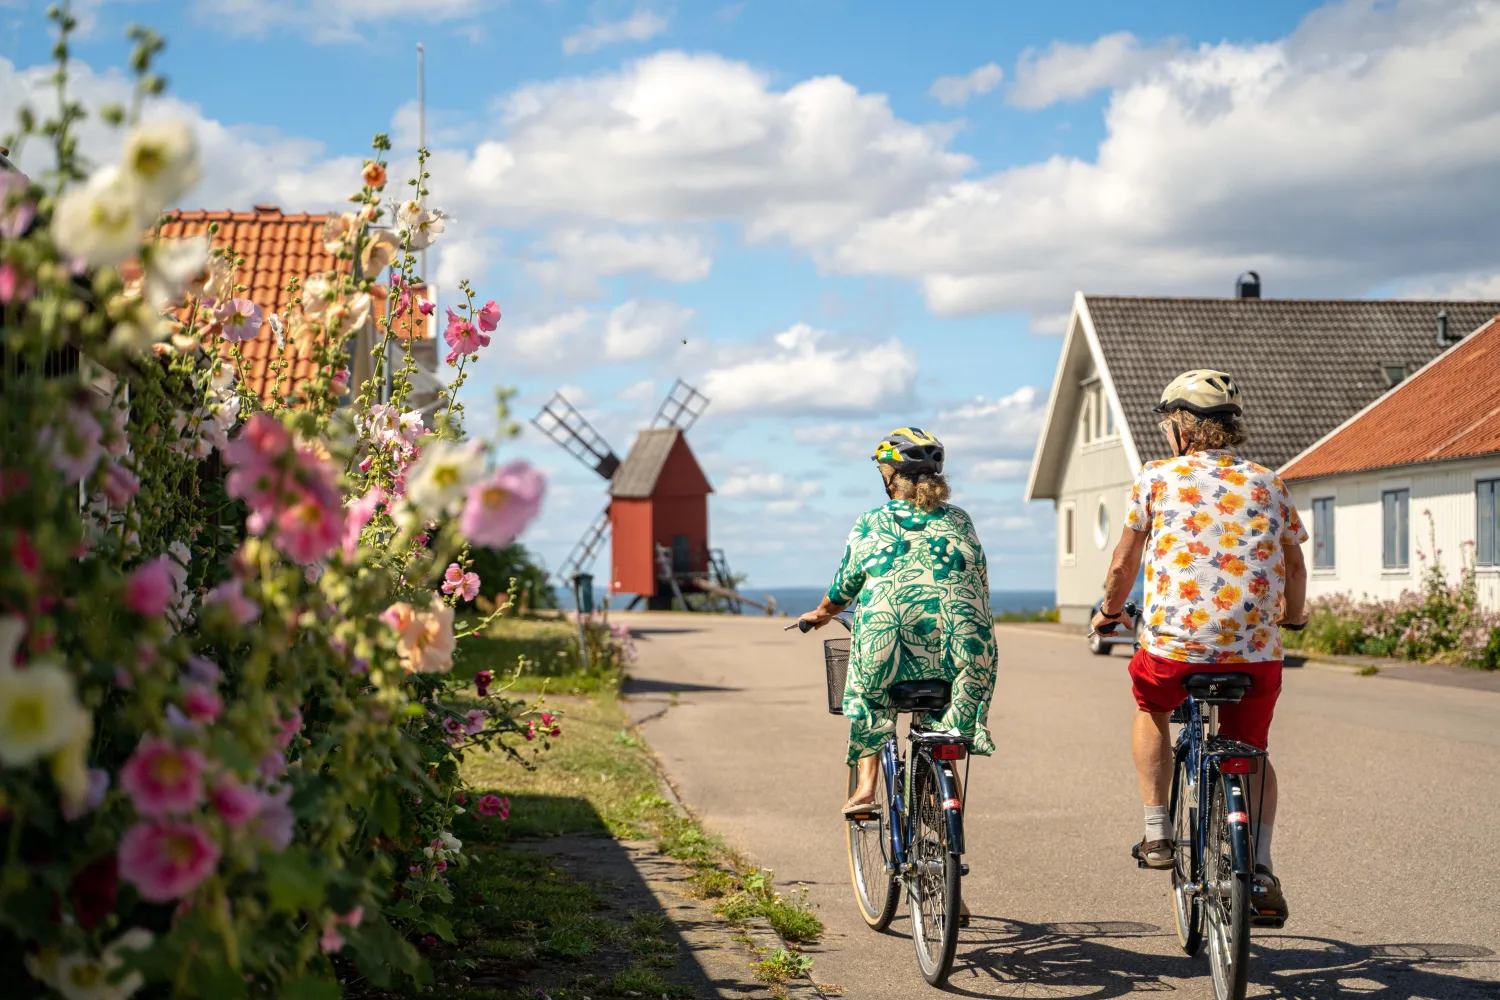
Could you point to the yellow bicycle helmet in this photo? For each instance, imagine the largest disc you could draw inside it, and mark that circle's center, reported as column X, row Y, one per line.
column 1202, row 391
column 910, row 448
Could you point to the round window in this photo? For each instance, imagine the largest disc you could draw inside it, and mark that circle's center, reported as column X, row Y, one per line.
column 1101, row 524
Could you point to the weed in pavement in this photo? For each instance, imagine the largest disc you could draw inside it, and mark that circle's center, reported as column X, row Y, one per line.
column 782, row 965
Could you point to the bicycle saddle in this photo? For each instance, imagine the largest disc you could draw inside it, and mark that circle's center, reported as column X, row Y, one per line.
column 918, row 696
column 1218, row 689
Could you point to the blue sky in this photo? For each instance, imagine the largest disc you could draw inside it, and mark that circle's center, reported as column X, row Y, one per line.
column 840, row 217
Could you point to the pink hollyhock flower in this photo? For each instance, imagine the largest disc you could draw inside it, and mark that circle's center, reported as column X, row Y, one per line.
column 425, row 307
column 14, row 219
column 166, row 859
column 453, row 578
column 276, row 822
column 149, row 589
column 74, row 444
column 494, row 805
column 290, row 727
column 530, row 732
column 93, row 796
column 241, row 319
column 357, row 516
column 237, row 804
column 309, row 529
column 202, row 670
column 120, row 484
column 162, row 779
column 272, row 765
column 14, row 286
column 499, row 508
column 474, row 721
column 482, row 682
column 253, row 457
column 231, row 594
column 201, row 704
column 332, row 940
column 462, row 335
column 489, row 316
column 454, row 726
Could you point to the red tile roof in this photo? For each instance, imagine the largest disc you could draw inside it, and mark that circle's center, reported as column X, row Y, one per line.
column 277, row 247
column 1448, row 409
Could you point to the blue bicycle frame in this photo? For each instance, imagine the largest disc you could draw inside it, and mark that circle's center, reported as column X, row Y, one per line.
column 898, row 795
column 1205, row 753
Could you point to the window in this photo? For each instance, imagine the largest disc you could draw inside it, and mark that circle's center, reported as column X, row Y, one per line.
column 1067, row 530
column 1096, row 416
column 1487, row 528
column 1101, row 524
column 1394, row 505
column 1109, row 415
column 1323, row 555
column 1394, row 374
column 1088, row 415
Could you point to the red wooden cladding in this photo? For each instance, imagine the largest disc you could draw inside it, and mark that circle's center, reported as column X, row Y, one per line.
column 674, row 515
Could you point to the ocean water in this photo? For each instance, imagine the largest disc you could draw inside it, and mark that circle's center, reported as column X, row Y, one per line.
column 795, row 600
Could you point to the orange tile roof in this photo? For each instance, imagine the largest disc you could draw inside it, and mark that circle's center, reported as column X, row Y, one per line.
column 1448, row 409
column 277, row 247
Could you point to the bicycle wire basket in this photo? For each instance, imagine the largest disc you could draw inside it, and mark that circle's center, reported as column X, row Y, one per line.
column 836, row 666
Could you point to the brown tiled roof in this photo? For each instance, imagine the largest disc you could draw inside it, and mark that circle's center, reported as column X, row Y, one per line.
column 1305, row 366
column 1450, row 409
column 277, row 247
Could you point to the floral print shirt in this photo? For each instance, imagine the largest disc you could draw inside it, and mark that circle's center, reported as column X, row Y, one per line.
column 1214, row 564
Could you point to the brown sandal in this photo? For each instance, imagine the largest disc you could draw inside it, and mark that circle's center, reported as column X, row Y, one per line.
column 1156, row 854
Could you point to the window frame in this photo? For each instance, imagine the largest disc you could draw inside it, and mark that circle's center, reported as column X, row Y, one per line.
column 1395, row 536
column 1492, row 557
column 1068, row 530
column 1325, row 534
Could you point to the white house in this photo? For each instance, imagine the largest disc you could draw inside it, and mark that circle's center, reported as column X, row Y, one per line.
column 1414, row 476
column 1304, row 366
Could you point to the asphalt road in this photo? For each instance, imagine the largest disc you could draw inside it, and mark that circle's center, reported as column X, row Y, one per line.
column 1388, row 842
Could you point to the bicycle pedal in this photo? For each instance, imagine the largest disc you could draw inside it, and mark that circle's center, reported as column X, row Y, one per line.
column 963, row 869
column 1271, row 920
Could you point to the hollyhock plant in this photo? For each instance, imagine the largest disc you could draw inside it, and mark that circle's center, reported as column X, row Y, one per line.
column 162, row 779
column 424, row 637
column 331, row 940
column 75, row 444
column 357, row 516
column 150, row 589
column 494, row 805
column 463, row 337
column 39, row 712
column 235, row 803
column 482, row 680
column 120, row 485
column 439, row 479
column 474, row 721
column 201, row 704
column 456, row 581
column 231, row 594
column 166, row 859
column 498, row 509
column 93, row 796
column 488, row 317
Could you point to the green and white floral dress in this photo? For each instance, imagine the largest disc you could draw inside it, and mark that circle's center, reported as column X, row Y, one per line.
column 923, row 614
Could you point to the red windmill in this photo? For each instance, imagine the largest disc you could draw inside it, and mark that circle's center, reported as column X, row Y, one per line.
column 657, row 515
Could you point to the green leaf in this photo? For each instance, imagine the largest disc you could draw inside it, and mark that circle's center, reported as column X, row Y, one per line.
column 311, row 986
column 441, row 927
column 385, row 811
column 293, row 882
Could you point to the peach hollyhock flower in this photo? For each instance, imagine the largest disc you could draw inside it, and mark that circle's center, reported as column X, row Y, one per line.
column 381, row 247
column 424, row 638
column 149, row 590
column 166, row 859
column 162, row 779
column 499, row 508
column 374, row 175
column 240, row 319
column 318, row 293
column 339, row 231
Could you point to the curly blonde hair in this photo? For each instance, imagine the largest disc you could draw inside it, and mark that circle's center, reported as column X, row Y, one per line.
column 1216, row 433
column 925, row 490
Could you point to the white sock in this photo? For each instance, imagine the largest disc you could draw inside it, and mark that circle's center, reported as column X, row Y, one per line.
column 1262, row 835
column 1158, row 827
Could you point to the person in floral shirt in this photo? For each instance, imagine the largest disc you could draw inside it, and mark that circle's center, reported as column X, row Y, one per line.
column 1222, row 547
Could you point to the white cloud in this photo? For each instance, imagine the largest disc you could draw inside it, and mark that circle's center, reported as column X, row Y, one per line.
column 1352, row 155
column 806, row 371
column 641, row 26
column 580, row 257
column 767, row 484
column 460, row 254
column 641, row 329
column 1001, row 469
column 951, row 91
column 1069, row 72
column 327, row 20
column 558, row 341
column 997, row 428
column 637, row 392
column 576, row 394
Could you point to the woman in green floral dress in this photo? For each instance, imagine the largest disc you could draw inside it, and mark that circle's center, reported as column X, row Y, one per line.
column 918, row 571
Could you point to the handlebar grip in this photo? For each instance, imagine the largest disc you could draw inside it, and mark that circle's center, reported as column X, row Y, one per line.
column 804, row 626
column 1295, row 628
column 1129, row 611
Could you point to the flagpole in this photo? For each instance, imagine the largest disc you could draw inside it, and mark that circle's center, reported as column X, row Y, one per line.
column 422, row 142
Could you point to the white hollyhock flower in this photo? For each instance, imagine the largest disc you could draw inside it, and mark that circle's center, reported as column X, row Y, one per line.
column 160, row 164
column 39, row 712
column 79, row 976
column 173, row 264
column 317, row 295
column 425, row 225
column 441, row 476
column 99, row 223
column 338, row 231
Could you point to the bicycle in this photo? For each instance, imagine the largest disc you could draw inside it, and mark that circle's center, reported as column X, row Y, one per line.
column 921, row 847
column 1214, row 865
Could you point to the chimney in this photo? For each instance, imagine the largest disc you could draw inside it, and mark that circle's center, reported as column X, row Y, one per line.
column 265, row 209
column 1442, row 329
column 1247, row 286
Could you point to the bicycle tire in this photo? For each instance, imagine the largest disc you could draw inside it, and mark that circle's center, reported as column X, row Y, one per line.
column 1226, row 902
column 868, row 842
column 934, row 884
column 1186, row 907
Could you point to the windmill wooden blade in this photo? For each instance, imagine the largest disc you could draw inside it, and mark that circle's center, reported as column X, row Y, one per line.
column 585, row 550
column 681, row 409
column 562, row 423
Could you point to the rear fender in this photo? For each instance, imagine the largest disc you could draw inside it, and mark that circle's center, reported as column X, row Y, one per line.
column 953, row 811
column 1238, row 814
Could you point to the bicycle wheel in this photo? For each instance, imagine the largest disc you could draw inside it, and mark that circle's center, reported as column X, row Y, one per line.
column 874, row 884
column 934, row 878
column 1226, row 902
column 1186, row 906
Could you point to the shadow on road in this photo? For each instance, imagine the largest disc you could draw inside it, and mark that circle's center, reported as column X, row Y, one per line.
column 638, row 685
column 644, row 633
column 1097, row 960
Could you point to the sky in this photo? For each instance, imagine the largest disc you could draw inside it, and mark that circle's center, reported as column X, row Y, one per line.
column 835, row 217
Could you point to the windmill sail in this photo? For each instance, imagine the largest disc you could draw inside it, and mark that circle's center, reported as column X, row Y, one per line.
column 562, row 423
column 681, row 409
column 586, row 550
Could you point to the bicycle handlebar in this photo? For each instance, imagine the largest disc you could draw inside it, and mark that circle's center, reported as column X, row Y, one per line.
column 806, row 626
column 1128, row 611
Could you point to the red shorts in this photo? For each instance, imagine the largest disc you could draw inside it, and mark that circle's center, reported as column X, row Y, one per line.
column 1157, row 684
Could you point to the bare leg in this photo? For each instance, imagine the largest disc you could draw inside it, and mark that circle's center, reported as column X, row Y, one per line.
column 864, row 788
column 1153, row 756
